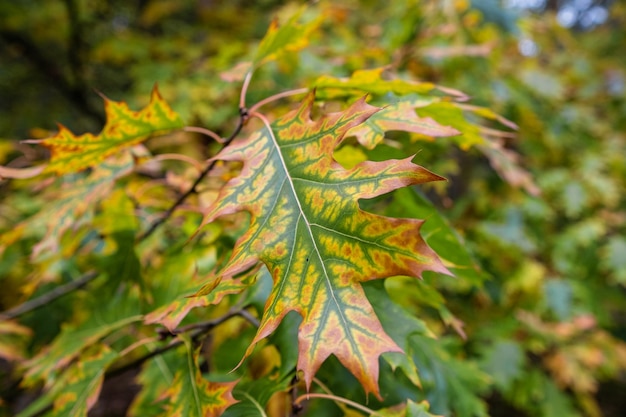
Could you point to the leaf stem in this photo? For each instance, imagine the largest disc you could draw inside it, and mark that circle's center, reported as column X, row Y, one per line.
column 254, row 402
column 204, row 131
column 346, row 401
column 244, row 89
column 278, row 96
column 48, row 297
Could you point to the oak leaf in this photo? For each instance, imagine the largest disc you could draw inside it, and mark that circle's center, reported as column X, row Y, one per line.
column 307, row 228
column 124, row 128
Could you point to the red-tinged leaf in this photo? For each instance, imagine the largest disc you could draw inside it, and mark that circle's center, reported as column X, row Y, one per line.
column 211, row 293
column 308, row 229
column 371, row 81
column 124, row 128
column 190, row 395
column 65, row 348
column 82, row 382
column 155, row 378
column 398, row 116
column 77, row 198
column 507, row 165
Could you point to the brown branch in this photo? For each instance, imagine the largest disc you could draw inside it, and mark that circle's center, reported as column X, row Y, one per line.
column 48, row 297
column 197, row 330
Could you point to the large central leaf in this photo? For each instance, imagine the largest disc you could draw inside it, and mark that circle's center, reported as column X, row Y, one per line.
column 307, row 228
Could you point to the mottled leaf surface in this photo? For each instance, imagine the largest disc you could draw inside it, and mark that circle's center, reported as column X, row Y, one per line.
column 371, row 81
column 398, row 116
column 190, row 395
column 83, row 381
column 124, row 128
column 213, row 292
column 308, row 229
column 66, row 347
column 77, row 198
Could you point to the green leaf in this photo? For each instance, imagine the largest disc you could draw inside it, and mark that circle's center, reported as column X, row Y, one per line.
column 410, row 409
column 453, row 385
column 66, row 347
column 82, row 382
column 401, row 326
column 371, row 81
column 77, row 198
column 286, row 38
column 318, row 245
column 190, row 395
column 503, row 362
column 439, row 234
column 13, row 339
column 211, row 293
column 156, row 376
column 615, row 258
column 124, row 128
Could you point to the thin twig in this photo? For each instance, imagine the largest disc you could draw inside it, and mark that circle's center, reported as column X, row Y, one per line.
column 249, row 318
column 293, row 391
column 346, row 401
column 203, row 326
column 38, row 302
column 204, row 131
column 244, row 90
column 199, row 329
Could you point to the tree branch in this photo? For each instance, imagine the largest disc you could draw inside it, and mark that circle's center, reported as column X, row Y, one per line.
column 47, row 298
column 197, row 330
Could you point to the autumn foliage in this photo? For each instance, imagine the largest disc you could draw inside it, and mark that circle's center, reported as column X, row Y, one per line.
column 288, row 260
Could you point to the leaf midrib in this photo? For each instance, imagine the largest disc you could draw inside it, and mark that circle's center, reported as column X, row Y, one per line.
column 308, row 227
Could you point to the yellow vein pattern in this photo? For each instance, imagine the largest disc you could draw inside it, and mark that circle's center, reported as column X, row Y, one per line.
column 307, row 228
column 124, row 128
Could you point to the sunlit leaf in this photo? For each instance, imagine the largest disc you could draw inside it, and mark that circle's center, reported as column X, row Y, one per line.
column 317, row 243
column 124, row 128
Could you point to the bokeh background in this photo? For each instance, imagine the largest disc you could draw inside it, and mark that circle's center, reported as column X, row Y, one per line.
column 543, row 209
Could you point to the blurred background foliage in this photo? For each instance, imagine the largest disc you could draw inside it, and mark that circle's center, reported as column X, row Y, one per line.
column 542, row 211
